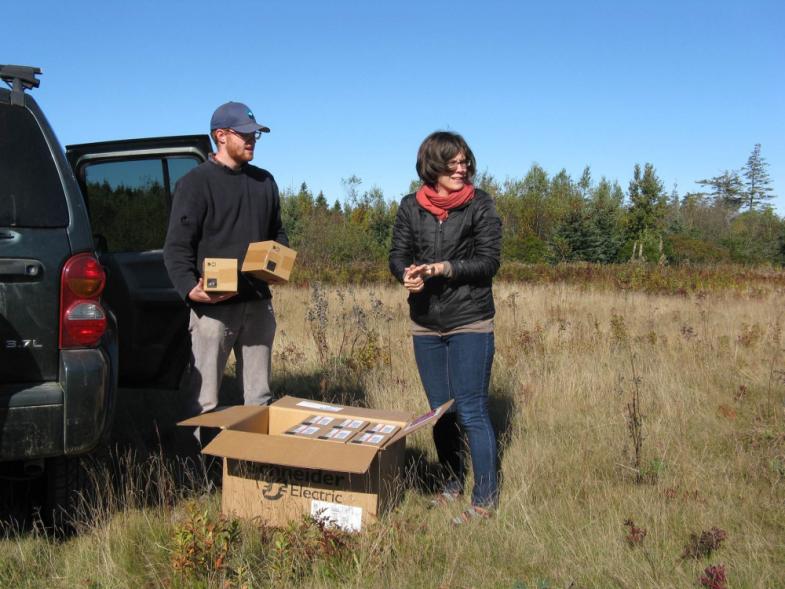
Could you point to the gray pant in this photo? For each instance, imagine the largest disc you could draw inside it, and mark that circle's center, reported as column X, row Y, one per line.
column 248, row 328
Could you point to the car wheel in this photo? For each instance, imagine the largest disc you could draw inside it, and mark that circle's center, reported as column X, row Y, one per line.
column 67, row 489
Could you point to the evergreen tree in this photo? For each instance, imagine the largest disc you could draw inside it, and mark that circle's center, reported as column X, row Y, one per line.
column 584, row 184
column 296, row 210
column 673, row 212
column 321, row 202
column 726, row 189
column 572, row 238
column 647, row 203
column 646, row 214
column 605, row 217
column 758, row 183
column 534, row 190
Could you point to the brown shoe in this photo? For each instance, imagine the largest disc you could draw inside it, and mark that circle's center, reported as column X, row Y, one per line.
column 444, row 499
column 474, row 513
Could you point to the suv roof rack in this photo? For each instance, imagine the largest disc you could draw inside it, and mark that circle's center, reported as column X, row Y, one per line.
column 20, row 78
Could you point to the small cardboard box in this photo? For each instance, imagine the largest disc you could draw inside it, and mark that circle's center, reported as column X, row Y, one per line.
column 278, row 477
column 220, row 275
column 270, row 261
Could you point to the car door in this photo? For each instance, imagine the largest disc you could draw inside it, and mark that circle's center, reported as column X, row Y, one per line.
column 128, row 188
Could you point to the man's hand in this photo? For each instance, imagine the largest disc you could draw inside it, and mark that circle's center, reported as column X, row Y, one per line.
column 198, row 294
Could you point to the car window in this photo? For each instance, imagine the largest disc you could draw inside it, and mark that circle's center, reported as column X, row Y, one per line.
column 178, row 167
column 129, row 200
column 31, row 193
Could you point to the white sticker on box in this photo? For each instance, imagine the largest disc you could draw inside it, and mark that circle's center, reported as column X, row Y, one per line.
column 383, row 428
column 309, row 431
column 351, row 423
column 325, row 420
column 346, row 517
column 319, row 406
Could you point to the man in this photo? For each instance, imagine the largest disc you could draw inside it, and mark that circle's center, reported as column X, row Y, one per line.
column 220, row 207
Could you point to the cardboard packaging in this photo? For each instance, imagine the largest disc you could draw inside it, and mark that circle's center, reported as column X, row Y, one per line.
column 270, row 261
column 275, row 476
column 220, row 275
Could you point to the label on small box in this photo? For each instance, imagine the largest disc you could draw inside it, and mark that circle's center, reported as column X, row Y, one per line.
column 320, row 420
column 351, row 423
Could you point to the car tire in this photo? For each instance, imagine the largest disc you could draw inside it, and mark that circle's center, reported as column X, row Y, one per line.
column 67, row 488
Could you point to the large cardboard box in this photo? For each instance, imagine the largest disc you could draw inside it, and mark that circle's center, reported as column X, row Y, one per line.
column 270, row 261
column 220, row 275
column 277, row 477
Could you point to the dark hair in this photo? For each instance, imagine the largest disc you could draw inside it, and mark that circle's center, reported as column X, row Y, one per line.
column 435, row 153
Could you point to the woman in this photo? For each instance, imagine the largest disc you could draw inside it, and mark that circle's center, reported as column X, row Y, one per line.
column 445, row 250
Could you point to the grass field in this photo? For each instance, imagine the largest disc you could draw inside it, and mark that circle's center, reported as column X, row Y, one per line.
column 664, row 412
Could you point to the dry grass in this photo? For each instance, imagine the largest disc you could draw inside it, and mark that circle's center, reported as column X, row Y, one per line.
column 708, row 371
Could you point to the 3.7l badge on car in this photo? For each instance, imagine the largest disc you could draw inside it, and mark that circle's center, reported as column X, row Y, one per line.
column 21, row 344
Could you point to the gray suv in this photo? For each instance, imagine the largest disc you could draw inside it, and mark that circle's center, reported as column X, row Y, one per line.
column 85, row 301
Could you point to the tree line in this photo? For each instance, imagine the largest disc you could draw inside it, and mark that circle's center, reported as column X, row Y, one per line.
column 557, row 218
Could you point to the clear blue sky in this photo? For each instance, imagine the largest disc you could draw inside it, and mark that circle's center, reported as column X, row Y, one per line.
column 352, row 87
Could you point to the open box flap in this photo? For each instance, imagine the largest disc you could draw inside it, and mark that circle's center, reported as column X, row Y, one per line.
column 291, row 451
column 225, row 417
column 427, row 419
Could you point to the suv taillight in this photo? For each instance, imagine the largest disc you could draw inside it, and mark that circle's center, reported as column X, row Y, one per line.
column 82, row 318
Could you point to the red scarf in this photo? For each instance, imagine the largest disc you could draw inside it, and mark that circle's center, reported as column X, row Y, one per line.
column 439, row 205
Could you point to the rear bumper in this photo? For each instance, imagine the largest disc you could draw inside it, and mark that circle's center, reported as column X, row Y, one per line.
column 66, row 417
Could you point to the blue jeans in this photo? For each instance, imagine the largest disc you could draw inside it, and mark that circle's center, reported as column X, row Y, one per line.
column 459, row 367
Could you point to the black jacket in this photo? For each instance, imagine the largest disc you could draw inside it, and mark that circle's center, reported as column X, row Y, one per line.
column 216, row 213
column 470, row 239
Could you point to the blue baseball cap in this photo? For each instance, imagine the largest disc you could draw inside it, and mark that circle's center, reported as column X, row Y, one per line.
column 237, row 116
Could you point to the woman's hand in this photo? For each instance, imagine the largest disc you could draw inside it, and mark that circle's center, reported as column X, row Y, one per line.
column 414, row 276
column 413, row 279
column 436, row 269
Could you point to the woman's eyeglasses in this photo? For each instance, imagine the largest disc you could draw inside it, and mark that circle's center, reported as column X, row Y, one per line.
column 453, row 165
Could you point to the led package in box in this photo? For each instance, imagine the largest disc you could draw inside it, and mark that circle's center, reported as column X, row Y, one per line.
column 351, row 423
column 270, row 261
column 220, row 275
column 338, row 435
